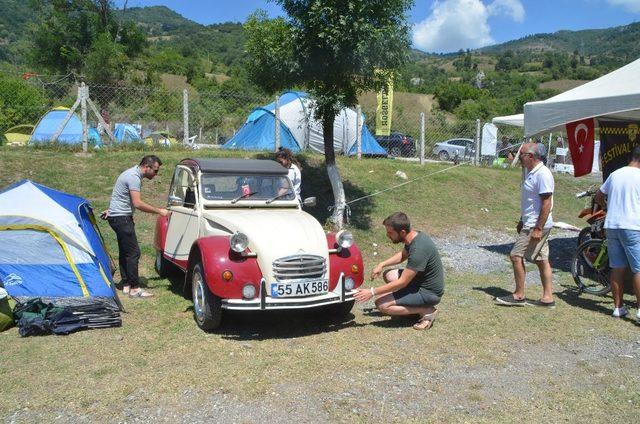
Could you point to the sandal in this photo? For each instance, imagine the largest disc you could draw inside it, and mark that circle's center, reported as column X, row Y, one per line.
column 141, row 294
column 426, row 321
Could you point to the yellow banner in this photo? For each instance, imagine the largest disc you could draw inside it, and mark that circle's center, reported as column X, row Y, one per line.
column 384, row 109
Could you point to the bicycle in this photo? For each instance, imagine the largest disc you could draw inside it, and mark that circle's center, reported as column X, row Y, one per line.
column 595, row 218
column 590, row 267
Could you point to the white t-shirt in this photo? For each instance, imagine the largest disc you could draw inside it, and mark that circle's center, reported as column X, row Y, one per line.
column 296, row 179
column 536, row 182
column 623, row 199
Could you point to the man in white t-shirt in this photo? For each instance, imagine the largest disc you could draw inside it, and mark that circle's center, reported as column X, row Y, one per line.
column 622, row 223
column 536, row 202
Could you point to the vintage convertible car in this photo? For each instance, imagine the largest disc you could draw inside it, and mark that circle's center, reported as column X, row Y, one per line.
column 243, row 241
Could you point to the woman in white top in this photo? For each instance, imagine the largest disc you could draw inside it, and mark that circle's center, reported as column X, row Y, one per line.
column 285, row 157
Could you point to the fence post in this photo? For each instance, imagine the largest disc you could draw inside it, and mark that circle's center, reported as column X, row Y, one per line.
column 277, row 128
column 359, row 132
column 185, row 117
column 478, row 142
column 84, row 93
column 421, row 138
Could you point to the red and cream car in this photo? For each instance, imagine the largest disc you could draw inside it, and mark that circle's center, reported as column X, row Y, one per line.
column 244, row 242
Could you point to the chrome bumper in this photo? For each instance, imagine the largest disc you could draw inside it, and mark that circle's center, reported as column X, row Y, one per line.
column 264, row 302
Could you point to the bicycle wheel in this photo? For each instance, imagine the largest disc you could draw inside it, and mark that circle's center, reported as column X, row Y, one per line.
column 584, row 235
column 589, row 278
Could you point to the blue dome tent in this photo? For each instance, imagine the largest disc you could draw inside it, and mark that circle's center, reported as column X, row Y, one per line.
column 299, row 130
column 51, row 248
column 71, row 134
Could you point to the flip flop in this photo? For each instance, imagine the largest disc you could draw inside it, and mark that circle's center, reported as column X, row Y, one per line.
column 426, row 321
column 141, row 294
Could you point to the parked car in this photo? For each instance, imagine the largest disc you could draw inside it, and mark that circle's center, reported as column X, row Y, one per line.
column 397, row 144
column 243, row 242
column 464, row 148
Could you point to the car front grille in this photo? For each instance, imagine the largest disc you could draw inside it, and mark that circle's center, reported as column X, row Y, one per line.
column 299, row 267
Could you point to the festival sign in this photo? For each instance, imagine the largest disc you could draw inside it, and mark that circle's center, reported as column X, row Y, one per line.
column 384, row 109
column 581, row 145
column 617, row 140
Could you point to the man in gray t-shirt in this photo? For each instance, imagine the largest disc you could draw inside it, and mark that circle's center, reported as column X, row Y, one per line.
column 125, row 199
column 416, row 289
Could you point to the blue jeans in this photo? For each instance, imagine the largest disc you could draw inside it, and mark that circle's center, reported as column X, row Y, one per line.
column 624, row 249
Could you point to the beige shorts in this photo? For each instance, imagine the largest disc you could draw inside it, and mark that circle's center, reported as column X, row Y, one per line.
column 531, row 250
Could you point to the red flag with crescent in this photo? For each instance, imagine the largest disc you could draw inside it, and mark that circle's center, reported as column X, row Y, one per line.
column 581, row 135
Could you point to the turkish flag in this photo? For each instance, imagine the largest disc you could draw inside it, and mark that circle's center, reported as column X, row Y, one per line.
column 580, row 134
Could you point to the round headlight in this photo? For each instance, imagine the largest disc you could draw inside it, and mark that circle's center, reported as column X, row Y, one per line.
column 349, row 284
column 248, row 291
column 344, row 239
column 239, row 242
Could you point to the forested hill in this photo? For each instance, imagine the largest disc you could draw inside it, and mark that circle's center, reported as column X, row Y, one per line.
column 622, row 42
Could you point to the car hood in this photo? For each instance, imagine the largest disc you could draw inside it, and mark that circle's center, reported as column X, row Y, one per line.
column 274, row 234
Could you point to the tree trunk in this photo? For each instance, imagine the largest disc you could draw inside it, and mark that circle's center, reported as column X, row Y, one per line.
column 332, row 171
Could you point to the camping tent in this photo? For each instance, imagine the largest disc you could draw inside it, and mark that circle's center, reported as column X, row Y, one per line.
column 72, row 133
column 126, row 133
column 50, row 246
column 615, row 95
column 300, row 130
column 18, row 135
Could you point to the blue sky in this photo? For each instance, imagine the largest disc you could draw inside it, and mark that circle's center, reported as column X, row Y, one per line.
column 449, row 25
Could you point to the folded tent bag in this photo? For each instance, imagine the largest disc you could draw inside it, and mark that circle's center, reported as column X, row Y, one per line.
column 6, row 316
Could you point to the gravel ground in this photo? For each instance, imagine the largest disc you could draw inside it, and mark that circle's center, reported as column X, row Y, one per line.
column 486, row 252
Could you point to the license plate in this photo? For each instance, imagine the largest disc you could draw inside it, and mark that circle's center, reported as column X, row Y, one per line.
column 300, row 288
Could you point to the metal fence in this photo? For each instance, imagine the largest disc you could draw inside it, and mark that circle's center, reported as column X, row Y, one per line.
column 212, row 117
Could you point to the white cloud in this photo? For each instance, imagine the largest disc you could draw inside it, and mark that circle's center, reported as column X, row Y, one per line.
column 631, row 5
column 511, row 8
column 462, row 24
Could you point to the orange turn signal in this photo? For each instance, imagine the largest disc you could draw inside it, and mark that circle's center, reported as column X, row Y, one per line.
column 227, row 275
column 355, row 269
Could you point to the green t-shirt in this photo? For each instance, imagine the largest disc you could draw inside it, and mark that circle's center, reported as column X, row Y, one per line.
column 425, row 260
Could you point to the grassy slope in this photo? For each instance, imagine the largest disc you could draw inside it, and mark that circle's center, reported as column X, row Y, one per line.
column 161, row 361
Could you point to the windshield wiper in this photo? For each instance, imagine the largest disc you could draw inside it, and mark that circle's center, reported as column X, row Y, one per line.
column 244, row 196
column 278, row 196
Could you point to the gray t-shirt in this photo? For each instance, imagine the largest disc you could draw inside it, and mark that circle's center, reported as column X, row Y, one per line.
column 425, row 260
column 129, row 180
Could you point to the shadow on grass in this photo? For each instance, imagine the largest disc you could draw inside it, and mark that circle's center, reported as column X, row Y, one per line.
column 493, row 291
column 561, row 251
column 600, row 304
column 315, row 182
column 259, row 325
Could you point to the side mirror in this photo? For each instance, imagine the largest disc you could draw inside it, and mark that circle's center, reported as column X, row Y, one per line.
column 175, row 201
column 309, row 202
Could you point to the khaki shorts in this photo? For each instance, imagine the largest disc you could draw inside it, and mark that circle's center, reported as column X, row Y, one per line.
column 530, row 250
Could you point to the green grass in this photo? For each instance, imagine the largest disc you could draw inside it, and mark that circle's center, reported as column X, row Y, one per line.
column 160, row 360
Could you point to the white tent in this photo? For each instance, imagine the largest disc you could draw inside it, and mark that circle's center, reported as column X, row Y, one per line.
column 514, row 120
column 615, row 95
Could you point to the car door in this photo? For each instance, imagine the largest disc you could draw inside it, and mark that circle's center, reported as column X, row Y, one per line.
column 184, row 219
column 458, row 147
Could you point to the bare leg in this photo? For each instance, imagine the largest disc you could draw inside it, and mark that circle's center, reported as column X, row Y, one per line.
column 519, row 274
column 616, row 278
column 547, row 280
column 636, row 287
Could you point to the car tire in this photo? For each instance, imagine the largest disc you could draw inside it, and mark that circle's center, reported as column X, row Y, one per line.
column 443, row 155
column 207, row 307
column 162, row 266
column 338, row 311
column 395, row 151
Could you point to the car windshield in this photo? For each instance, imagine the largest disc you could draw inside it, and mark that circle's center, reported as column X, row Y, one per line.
column 245, row 187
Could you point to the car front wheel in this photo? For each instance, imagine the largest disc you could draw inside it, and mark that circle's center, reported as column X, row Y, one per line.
column 207, row 307
column 443, row 155
column 338, row 311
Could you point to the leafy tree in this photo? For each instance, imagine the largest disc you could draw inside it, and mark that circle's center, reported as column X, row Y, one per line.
column 333, row 48
column 451, row 94
column 20, row 102
column 66, row 31
column 106, row 61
